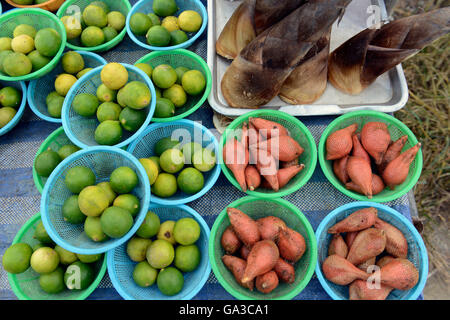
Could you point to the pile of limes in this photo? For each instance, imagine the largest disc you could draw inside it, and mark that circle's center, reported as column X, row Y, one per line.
column 173, row 87
column 73, row 66
column 48, row 160
column 10, row 100
column 28, row 50
column 96, row 26
column 117, row 104
column 106, row 209
column 163, row 251
column 171, row 30
column 178, row 167
column 58, row 268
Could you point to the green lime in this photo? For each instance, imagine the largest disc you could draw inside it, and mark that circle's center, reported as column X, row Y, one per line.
column 149, row 227
column 79, row 276
column 116, row 222
column 165, row 185
column 54, row 103
column 140, row 23
column 190, row 181
column 38, row 61
column 164, row 8
column 144, row 274
column 46, row 162
column 165, row 144
column 164, row 76
column 104, row 94
column 72, row 62
column 17, row 64
column 129, row 202
column 77, row 178
column 166, row 231
column 92, row 201
column 10, row 97
column 137, row 248
column 178, row 37
column 67, row 150
column 180, row 71
column 190, row 21
column 108, row 132
column 89, row 258
column 93, row 229
column 170, row 281
column 41, row 234
column 71, row 211
column 95, row 16
column 110, row 33
column 189, row 149
column 193, row 82
column 156, row 21
column 170, row 23
column 150, row 168
column 160, row 254
column 172, row 160
column 52, row 282
column 6, row 115
column 132, row 119
column 24, row 29
column 92, row 36
column 65, row 256
column 204, row 160
column 85, row 104
column 187, row 258
column 108, row 111
column 186, row 231
column 47, row 42
column 176, row 94
column 158, row 36
column 158, row 92
column 146, row 68
column 16, row 258
column 116, row 20
column 107, row 189
column 3, row 55
column 123, row 180
column 102, row 5
column 83, row 72
column 64, row 82
column 44, row 260
column 38, row 245
column 164, row 108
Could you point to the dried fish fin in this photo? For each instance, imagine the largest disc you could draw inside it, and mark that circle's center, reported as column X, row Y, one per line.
column 309, row 80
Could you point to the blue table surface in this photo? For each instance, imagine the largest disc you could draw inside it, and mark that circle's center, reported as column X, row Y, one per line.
column 19, row 198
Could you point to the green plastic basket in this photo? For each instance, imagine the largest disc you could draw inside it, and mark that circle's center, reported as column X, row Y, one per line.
column 26, row 285
column 75, row 8
column 181, row 58
column 297, row 130
column 396, row 129
column 54, row 141
column 39, row 19
column 258, row 208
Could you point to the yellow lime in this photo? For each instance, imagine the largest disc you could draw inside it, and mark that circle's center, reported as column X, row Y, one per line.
column 170, row 23
column 190, row 21
column 150, row 168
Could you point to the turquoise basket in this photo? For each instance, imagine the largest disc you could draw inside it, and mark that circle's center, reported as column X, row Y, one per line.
column 120, row 266
column 103, row 161
column 20, row 85
column 79, row 129
column 38, row 90
column 417, row 252
column 185, row 131
column 146, row 6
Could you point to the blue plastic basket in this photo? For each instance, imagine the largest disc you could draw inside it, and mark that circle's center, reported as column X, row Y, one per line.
column 145, row 6
column 20, row 85
column 417, row 252
column 189, row 131
column 79, row 129
column 120, row 266
column 102, row 160
column 38, row 90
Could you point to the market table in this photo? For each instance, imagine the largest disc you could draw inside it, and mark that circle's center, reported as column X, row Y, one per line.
column 19, row 198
